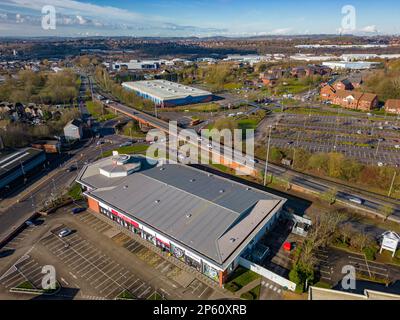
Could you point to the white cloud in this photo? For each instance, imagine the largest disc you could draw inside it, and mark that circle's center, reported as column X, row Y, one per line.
column 81, row 20
column 105, row 18
column 369, row 29
column 281, row 31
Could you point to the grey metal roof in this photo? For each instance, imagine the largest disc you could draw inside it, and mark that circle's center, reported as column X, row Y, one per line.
column 11, row 159
column 165, row 90
column 199, row 210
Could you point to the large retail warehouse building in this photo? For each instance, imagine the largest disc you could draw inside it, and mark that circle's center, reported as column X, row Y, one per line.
column 204, row 220
column 168, row 94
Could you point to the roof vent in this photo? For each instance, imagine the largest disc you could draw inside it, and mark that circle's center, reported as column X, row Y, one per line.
column 157, row 201
column 125, row 187
column 248, row 188
column 232, row 240
column 221, row 191
column 188, row 215
column 162, row 169
column 192, row 180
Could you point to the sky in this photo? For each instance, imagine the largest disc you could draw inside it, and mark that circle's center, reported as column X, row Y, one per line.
column 201, row 18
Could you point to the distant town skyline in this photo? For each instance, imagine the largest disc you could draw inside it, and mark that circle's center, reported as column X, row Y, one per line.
column 202, row 18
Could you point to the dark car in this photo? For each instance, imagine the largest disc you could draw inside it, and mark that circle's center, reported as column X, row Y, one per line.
column 77, row 210
column 71, row 168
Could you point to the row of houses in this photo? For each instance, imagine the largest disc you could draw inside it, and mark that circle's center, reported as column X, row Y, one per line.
column 343, row 93
column 270, row 77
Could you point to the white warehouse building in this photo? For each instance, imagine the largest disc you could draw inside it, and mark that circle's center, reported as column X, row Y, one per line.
column 168, row 94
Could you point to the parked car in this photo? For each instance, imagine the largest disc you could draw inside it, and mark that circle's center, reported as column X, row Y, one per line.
column 64, row 232
column 71, row 168
column 29, row 223
column 77, row 210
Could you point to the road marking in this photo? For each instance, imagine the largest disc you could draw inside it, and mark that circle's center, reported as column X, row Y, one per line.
column 143, row 293
column 138, row 288
column 204, row 291
column 63, row 280
column 74, row 276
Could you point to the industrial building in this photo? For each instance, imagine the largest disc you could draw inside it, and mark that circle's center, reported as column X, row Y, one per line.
column 137, row 65
column 168, row 94
column 15, row 164
column 202, row 219
column 356, row 65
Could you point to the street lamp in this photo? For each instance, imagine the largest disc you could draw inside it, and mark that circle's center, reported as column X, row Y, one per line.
column 266, row 160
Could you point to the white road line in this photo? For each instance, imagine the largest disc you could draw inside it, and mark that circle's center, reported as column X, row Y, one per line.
column 369, row 265
column 138, row 288
column 204, row 291
column 107, row 279
column 143, row 293
column 94, row 266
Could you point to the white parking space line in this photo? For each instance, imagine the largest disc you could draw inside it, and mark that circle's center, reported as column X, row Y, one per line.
column 145, row 292
column 204, row 291
column 138, row 287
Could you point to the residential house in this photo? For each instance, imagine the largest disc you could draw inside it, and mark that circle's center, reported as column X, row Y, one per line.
column 269, row 80
column 355, row 100
column 73, row 130
column 393, row 106
column 298, row 72
column 349, row 99
column 344, row 84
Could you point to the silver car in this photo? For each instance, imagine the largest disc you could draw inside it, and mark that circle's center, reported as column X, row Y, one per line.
column 64, row 232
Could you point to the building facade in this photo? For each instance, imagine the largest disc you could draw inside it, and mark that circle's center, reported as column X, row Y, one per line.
column 203, row 220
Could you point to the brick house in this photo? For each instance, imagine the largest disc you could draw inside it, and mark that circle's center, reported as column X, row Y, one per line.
column 344, row 84
column 327, row 93
column 349, row 99
column 355, row 100
column 393, row 106
column 270, row 80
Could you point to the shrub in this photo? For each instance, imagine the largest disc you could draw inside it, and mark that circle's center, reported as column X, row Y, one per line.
column 232, row 286
column 300, row 275
column 247, row 296
column 370, row 252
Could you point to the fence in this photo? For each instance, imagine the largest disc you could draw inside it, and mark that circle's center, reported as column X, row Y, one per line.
column 267, row 274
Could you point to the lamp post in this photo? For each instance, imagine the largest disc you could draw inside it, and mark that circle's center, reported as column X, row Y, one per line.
column 266, row 160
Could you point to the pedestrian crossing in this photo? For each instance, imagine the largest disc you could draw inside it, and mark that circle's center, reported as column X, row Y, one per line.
column 271, row 286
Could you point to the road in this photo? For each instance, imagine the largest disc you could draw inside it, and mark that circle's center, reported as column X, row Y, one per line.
column 370, row 201
column 22, row 209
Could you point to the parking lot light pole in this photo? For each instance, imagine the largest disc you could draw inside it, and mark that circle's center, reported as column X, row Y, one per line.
column 391, row 185
column 377, row 148
column 266, row 160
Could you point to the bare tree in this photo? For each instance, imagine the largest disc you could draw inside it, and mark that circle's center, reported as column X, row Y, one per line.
column 345, row 232
column 360, row 241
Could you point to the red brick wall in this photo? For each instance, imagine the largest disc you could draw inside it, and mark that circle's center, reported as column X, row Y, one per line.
column 94, row 205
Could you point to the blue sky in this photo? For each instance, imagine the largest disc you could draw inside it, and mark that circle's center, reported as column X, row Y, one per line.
column 196, row 17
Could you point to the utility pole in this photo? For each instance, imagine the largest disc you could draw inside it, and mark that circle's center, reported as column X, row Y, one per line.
column 391, row 185
column 377, row 147
column 266, row 160
column 294, row 149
